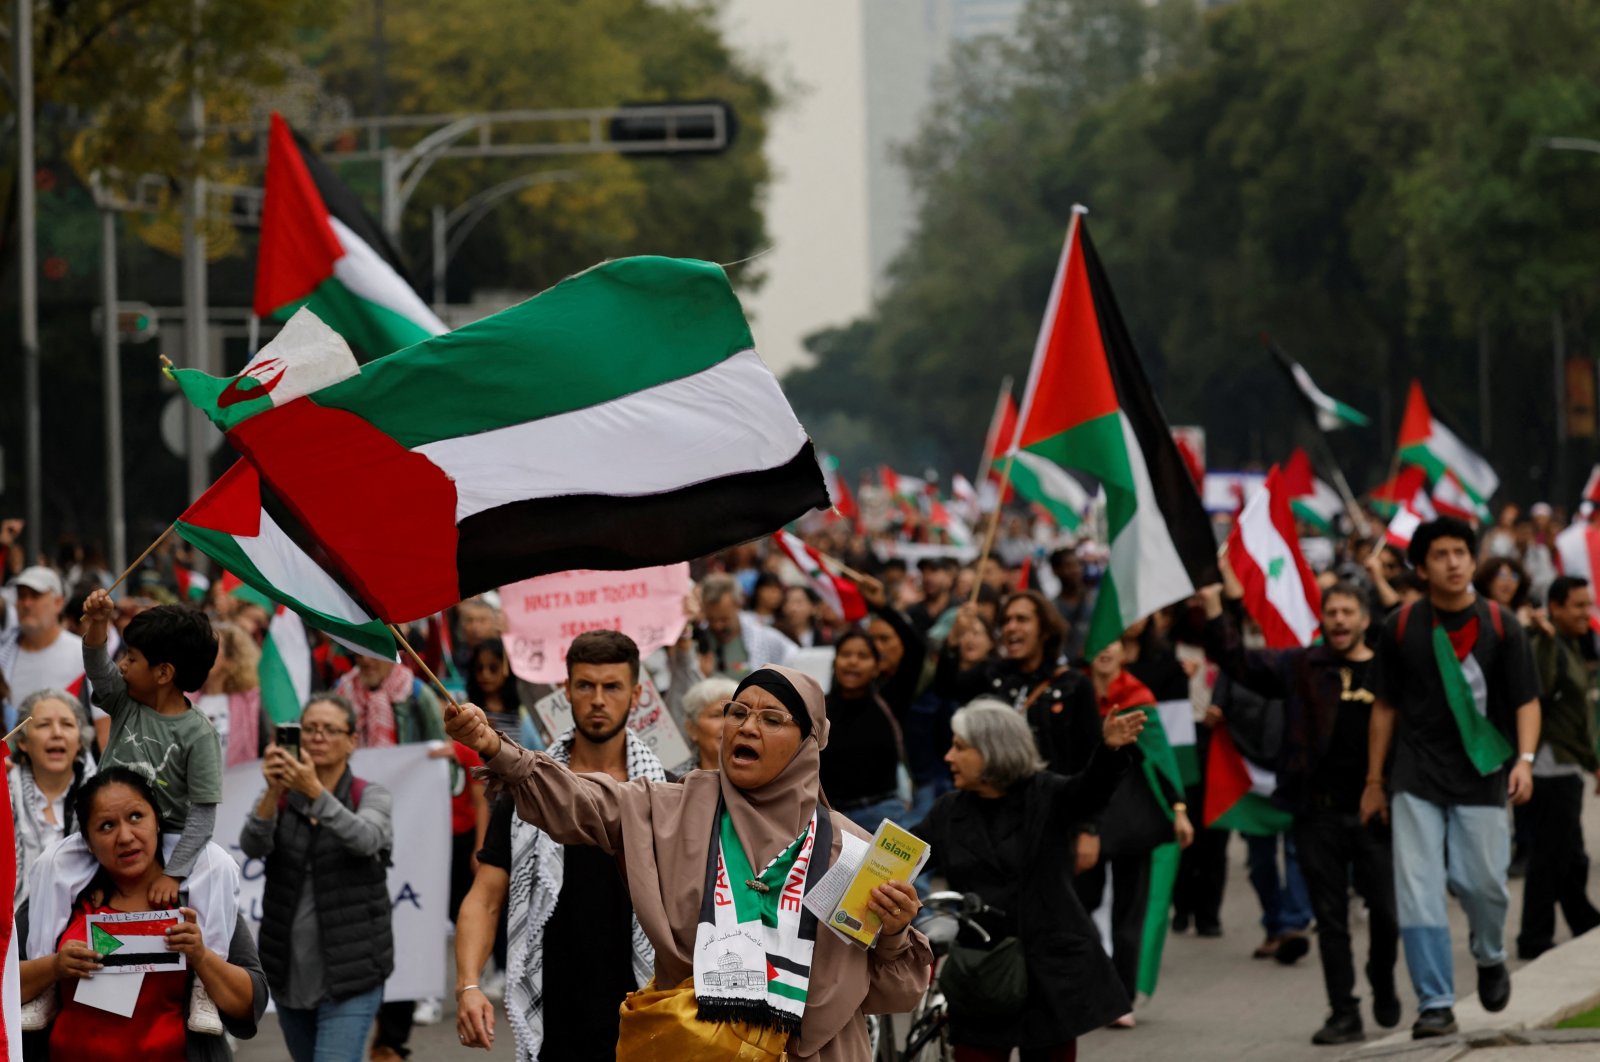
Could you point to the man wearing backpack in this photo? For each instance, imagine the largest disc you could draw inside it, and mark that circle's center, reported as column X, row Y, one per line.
column 1458, row 699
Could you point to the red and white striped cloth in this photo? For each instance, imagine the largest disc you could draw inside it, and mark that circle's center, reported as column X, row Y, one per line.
column 11, row 977
column 839, row 593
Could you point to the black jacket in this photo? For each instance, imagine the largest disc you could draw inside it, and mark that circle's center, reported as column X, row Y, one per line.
column 1063, row 715
column 1308, row 683
column 1072, row 987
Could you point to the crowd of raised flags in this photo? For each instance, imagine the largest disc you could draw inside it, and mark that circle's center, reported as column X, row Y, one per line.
column 390, row 469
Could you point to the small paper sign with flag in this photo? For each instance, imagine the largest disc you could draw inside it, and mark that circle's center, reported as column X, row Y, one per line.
column 135, row 941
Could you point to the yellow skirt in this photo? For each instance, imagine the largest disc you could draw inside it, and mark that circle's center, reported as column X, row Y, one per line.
column 659, row 1025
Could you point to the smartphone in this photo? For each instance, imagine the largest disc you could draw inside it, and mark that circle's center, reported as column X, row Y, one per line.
column 288, row 738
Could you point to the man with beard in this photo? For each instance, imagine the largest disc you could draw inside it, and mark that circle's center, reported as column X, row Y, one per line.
column 569, row 911
column 1327, row 692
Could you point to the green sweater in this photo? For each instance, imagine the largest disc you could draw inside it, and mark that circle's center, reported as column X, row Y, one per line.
column 1566, row 701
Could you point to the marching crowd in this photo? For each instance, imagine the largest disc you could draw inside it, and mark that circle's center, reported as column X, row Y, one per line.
column 1433, row 741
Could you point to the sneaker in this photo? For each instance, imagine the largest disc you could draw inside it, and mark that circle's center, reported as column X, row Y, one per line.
column 427, row 1012
column 1494, row 987
column 1180, row 923
column 1292, row 947
column 1340, row 1028
column 1385, row 1000
column 37, row 1012
column 1267, row 949
column 203, row 1016
column 1437, row 1021
column 1210, row 929
column 1124, row 1022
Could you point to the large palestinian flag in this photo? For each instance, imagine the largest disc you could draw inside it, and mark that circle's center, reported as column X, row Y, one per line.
column 321, row 250
column 620, row 420
column 1425, row 441
column 1088, row 406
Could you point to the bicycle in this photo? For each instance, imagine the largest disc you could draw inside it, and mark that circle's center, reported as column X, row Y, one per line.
column 928, row 1039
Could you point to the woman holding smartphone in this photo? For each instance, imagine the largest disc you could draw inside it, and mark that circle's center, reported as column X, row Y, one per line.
column 316, row 820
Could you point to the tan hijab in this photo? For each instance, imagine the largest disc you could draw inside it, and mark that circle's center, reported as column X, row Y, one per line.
column 768, row 819
column 661, row 836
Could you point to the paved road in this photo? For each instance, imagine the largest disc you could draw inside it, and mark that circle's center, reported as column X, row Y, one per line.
column 1214, row 1003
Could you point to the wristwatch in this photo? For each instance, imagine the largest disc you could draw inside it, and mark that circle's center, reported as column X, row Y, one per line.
column 1526, row 757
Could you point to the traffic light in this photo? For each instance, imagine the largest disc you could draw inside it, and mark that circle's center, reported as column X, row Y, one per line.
column 674, row 127
column 136, row 322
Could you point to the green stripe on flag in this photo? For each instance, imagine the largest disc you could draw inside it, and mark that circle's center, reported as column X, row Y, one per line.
column 222, row 548
column 778, row 988
column 1256, row 815
column 278, row 697
column 614, row 330
column 1163, row 878
column 1486, row 746
column 1032, row 486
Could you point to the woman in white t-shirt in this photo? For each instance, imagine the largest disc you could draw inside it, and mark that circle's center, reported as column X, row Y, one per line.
column 231, row 696
column 49, row 761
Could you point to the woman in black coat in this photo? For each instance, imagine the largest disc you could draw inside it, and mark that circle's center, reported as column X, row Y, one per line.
column 1006, row 834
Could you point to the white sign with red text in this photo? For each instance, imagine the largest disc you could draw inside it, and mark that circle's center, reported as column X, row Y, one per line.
column 543, row 615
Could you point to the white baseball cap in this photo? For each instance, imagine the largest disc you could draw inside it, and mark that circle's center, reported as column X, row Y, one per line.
column 40, row 580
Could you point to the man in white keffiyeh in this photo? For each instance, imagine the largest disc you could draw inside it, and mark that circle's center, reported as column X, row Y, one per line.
column 568, row 908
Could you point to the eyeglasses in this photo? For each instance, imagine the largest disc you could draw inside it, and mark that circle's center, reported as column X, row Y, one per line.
column 770, row 719
column 318, row 731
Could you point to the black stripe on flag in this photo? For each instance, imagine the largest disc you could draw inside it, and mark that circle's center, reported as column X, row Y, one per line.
column 1175, row 490
column 141, row 958
column 607, row 532
column 345, row 205
column 788, row 965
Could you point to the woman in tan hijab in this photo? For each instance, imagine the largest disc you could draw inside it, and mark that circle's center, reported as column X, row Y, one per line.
column 740, row 963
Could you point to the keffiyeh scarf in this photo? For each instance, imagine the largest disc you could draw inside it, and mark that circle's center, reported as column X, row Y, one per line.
column 537, row 869
column 375, row 708
column 752, row 948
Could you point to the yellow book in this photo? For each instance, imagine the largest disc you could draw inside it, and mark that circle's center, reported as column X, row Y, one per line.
column 892, row 854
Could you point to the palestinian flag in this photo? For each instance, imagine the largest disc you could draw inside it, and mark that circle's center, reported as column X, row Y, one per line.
column 192, row 586
column 285, row 668
column 141, row 941
column 10, row 972
column 619, row 420
column 1425, row 441
column 1403, row 489
column 1238, row 792
column 1088, row 406
column 1329, row 413
column 839, row 593
column 239, row 524
column 1451, row 498
column 1310, row 499
column 320, row 249
column 1466, row 691
column 1280, row 593
column 1002, row 429
column 1177, row 720
column 1046, row 483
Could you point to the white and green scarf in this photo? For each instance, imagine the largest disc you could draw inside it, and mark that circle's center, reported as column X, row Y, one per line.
column 752, row 949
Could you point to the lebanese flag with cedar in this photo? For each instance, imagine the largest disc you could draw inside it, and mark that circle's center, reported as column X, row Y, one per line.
column 839, row 593
column 1280, row 591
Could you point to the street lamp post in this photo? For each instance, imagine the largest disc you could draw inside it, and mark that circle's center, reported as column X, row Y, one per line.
column 464, row 218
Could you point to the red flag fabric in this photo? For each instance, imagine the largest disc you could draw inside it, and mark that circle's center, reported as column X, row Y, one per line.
column 11, row 977
column 839, row 593
column 1280, row 591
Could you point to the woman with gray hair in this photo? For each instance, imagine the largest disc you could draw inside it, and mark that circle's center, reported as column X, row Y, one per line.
column 1006, row 834
column 50, row 760
column 702, row 717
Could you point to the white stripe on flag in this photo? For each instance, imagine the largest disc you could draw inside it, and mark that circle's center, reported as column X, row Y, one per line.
column 728, row 419
column 1177, row 718
column 1275, row 558
column 1262, row 781
column 284, row 564
column 1478, row 475
column 288, row 633
column 11, row 991
column 1148, row 573
column 1055, row 481
column 365, row 273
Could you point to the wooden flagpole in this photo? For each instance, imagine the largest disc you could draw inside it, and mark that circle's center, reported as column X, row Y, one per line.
column 15, row 731
column 140, row 558
column 994, row 524
column 426, row 670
